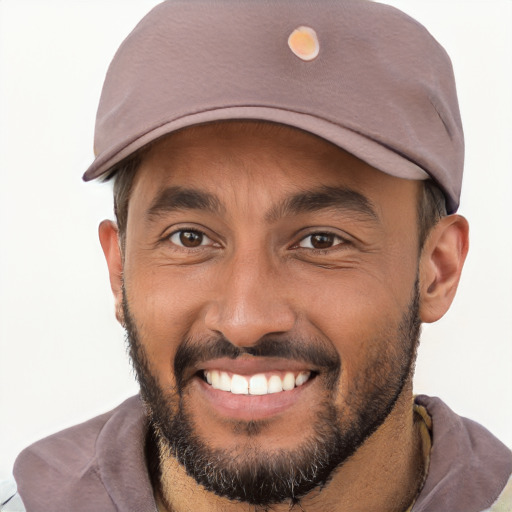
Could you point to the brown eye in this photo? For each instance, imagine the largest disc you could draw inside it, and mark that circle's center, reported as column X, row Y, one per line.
column 320, row 241
column 189, row 239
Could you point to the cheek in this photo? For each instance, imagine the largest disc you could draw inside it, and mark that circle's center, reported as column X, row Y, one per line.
column 359, row 313
column 166, row 305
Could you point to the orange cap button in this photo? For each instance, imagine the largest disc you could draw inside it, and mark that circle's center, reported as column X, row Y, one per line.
column 303, row 42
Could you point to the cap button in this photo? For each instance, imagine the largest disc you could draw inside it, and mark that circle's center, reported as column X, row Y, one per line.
column 303, row 42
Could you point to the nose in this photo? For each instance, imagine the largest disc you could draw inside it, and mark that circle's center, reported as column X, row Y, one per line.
column 250, row 302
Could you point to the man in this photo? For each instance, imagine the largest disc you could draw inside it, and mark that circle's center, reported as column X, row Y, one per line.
column 278, row 243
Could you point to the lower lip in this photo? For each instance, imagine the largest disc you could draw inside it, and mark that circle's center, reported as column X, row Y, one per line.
column 250, row 407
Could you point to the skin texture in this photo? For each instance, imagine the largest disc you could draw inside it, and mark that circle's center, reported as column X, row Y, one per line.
column 256, row 275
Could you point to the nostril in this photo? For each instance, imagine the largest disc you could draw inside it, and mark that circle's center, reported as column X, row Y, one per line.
column 245, row 324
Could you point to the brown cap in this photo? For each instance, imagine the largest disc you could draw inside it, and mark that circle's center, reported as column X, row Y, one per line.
column 360, row 74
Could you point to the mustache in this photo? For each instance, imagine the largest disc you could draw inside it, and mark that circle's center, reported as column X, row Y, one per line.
column 313, row 352
column 193, row 351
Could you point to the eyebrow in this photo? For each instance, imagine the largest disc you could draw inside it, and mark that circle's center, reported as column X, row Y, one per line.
column 325, row 198
column 179, row 198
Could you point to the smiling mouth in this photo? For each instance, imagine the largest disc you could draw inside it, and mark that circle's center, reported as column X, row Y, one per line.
column 257, row 384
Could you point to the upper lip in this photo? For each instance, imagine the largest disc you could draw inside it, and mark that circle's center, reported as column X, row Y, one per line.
column 253, row 365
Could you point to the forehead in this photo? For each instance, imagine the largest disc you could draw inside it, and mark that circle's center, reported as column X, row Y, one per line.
column 275, row 157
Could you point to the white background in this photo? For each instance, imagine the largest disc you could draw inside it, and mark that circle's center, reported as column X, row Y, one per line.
column 62, row 355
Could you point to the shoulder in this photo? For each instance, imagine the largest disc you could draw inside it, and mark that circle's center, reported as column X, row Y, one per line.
column 469, row 467
column 72, row 449
column 74, row 466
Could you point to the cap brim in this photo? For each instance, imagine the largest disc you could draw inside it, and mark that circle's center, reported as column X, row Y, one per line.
column 371, row 151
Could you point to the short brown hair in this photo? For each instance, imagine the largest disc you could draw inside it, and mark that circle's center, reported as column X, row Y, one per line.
column 123, row 175
column 431, row 209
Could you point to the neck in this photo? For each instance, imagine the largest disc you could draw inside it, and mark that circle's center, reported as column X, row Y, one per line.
column 384, row 474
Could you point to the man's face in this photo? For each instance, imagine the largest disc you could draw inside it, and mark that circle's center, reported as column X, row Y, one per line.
column 270, row 301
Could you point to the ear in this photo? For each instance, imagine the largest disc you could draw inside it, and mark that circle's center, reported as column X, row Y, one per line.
column 109, row 239
column 441, row 263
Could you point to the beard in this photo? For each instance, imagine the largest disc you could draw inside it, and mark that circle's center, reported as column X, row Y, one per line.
column 252, row 473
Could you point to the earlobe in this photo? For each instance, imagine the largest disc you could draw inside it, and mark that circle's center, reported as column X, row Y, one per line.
column 441, row 263
column 109, row 239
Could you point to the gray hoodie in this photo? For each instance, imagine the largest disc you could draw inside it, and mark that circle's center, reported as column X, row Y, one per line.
column 100, row 466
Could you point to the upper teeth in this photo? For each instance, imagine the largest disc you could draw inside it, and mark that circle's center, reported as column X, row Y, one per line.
column 257, row 384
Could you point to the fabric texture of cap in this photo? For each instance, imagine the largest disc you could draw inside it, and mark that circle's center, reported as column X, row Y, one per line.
column 377, row 85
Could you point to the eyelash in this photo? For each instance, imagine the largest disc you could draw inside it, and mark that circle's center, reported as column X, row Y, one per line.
column 336, row 238
column 337, row 241
column 196, row 231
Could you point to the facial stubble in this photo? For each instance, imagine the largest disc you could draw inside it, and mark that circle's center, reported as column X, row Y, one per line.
column 253, row 474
